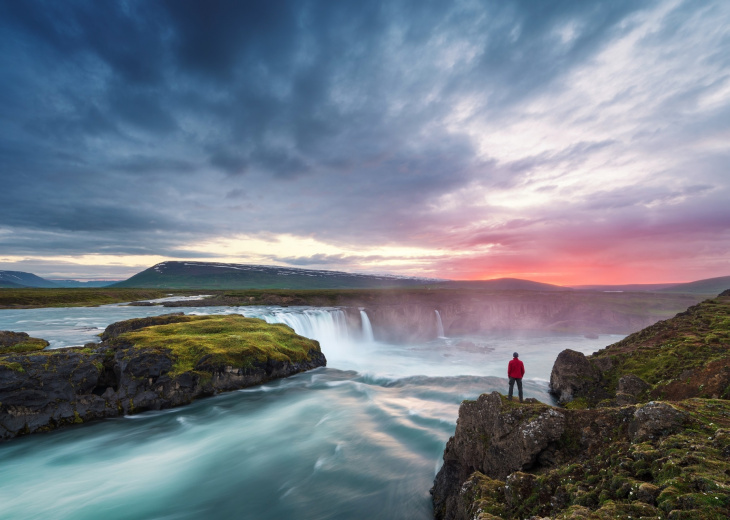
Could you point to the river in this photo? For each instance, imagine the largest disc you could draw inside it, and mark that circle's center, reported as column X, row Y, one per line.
column 360, row 439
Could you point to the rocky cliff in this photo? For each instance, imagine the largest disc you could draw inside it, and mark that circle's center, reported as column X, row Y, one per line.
column 631, row 457
column 683, row 357
column 142, row 364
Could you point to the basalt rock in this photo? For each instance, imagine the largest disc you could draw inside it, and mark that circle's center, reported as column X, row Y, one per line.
column 572, row 374
column 509, row 460
column 41, row 391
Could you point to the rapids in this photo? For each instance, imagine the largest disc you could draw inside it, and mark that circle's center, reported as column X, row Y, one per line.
column 362, row 438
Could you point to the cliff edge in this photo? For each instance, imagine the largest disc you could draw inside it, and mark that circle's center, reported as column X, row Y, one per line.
column 142, row 364
column 616, row 450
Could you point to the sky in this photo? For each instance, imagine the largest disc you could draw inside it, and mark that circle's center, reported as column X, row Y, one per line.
column 568, row 142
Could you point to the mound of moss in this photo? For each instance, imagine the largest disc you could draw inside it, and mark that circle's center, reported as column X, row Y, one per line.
column 19, row 342
column 683, row 357
column 142, row 364
column 230, row 340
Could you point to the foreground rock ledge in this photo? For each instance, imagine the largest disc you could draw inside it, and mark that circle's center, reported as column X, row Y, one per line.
column 615, row 451
column 142, row 364
column 655, row 460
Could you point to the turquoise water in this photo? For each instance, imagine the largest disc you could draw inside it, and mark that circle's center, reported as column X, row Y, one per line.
column 362, row 438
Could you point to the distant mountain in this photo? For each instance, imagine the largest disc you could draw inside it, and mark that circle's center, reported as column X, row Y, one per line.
column 712, row 286
column 501, row 284
column 10, row 285
column 709, row 286
column 633, row 287
column 20, row 279
column 76, row 283
column 215, row 275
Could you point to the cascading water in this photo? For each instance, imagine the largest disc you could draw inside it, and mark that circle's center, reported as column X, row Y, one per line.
column 328, row 326
column 439, row 326
column 367, row 328
column 359, row 439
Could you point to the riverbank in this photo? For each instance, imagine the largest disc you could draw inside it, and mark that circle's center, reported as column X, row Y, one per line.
column 34, row 298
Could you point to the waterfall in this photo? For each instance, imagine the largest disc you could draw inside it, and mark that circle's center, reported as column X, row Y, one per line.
column 439, row 326
column 328, row 326
column 367, row 328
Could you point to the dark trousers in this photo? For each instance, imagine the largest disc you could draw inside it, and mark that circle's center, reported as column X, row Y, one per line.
column 512, row 385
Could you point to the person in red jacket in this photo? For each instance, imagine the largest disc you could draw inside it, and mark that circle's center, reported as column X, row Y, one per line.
column 515, row 371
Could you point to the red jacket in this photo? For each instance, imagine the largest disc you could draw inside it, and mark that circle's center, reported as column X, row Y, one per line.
column 515, row 369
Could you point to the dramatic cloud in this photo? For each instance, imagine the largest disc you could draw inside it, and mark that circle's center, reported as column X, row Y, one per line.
column 567, row 142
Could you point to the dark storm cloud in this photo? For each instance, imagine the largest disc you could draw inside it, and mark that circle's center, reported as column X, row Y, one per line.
column 138, row 127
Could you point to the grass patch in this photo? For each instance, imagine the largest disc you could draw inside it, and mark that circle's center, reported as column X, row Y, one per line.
column 76, row 297
column 17, row 367
column 31, row 345
column 669, row 350
column 230, row 340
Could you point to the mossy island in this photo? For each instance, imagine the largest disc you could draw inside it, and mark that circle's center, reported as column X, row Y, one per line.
column 643, row 432
column 142, row 364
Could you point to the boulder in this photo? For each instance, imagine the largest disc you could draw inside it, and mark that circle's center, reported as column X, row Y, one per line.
column 655, row 419
column 632, row 385
column 572, row 374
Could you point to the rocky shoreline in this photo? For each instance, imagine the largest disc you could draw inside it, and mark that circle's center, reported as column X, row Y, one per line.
column 41, row 390
column 615, row 450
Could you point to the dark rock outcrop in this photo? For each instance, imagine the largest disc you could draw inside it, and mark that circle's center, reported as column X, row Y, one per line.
column 10, row 341
column 44, row 390
column 572, row 374
column 509, row 460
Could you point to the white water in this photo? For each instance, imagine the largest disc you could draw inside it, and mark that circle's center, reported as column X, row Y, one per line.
column 362, row 438
column 367, row 328
column 439, row 326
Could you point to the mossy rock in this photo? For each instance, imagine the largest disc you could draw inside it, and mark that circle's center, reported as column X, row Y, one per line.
column 222, row 340
column 19, row 343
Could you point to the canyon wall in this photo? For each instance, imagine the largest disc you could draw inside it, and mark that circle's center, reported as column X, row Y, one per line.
column 412, row 317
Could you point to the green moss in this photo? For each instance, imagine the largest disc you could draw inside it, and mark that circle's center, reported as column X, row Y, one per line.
column 580, row 403
column 230, row 340
column 12, row 366
column 686, row 474
column 31, row 345
column 664, row 354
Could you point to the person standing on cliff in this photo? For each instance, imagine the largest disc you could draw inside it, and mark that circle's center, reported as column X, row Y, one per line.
column 515, row 371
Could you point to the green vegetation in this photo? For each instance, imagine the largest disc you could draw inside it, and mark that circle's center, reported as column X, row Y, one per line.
column 31, row 345
column 675, row 473
column 676, row 357
column 82, row 297
column 230, row 340
column 685, row 475
column 12, row 365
